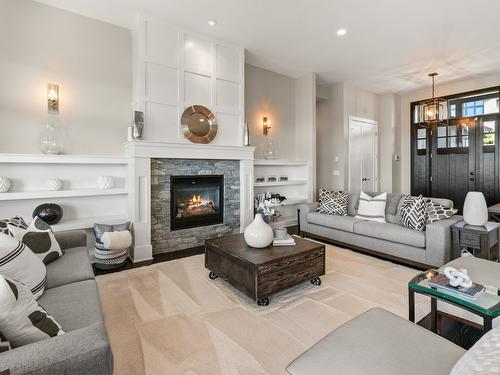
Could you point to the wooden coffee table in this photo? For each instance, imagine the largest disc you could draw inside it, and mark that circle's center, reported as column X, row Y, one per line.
column 261, row 272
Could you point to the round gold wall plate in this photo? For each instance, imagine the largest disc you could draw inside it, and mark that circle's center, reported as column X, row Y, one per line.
column 200, row 124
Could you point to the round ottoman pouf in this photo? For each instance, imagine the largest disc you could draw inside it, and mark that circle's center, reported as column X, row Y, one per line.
column 111, row 245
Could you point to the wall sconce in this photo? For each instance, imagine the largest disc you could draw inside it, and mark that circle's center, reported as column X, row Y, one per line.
column 53, row 98
column 265, row 125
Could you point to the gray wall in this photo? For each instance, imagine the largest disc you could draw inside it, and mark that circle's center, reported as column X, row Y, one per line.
column 270, row 94
column 336, row 103
column 89, row 59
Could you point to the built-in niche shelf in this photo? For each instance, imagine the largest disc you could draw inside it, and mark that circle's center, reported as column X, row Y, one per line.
column 42, row 194
column 82, row 201
column 279, row 162
column 281, row 183
column 297, row 189
column 60, row 159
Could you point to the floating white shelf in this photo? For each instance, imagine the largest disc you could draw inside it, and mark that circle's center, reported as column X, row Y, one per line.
column 293, row 200
column 61, row 159
column 85, row 223
column 280, row 183
column 40, row 194
column 282, row 162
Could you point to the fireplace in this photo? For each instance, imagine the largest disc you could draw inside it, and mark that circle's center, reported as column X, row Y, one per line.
column 196, row 201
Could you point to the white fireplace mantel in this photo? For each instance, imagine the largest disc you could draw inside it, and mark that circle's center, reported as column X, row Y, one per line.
column 170, row 150
column 140, row 154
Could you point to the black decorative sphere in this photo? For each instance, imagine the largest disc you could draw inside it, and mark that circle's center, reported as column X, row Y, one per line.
column 51, row 213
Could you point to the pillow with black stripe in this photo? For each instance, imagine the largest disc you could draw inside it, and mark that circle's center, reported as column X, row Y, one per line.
column 413, row 213
column 436, row 211
column 19, row 263
column 15, row 221
column 22, row 320
column 333, row 202
column 372, row 208
column 39, row 238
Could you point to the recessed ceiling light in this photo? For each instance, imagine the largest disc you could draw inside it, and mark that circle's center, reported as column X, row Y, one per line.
column 341, row 32
column 212, row 22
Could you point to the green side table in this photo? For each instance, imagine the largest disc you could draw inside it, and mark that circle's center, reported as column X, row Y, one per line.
column 486, row 305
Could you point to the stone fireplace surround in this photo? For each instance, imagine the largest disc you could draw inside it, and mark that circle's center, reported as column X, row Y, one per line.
column 163, row 238
column 143, row 154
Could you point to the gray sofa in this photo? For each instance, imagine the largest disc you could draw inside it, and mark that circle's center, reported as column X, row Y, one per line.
column 378, row 343
column 72, row 298
column 430, row 248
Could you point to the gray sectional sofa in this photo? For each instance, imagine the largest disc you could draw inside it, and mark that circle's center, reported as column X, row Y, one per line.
column 430, row 248
column 72, row 298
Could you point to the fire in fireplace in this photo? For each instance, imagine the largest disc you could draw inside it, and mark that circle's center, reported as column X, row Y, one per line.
column 196, row 201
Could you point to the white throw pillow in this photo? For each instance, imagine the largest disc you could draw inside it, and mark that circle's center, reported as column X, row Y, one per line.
column 22, row 320
column 39, row 238
column 19, row 263
column 483, row 358
column 372, row 208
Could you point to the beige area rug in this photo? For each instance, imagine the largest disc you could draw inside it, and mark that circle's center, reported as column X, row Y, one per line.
column 170, row 318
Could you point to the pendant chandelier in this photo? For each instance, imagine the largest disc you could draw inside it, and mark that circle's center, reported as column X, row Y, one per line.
column 434, row 110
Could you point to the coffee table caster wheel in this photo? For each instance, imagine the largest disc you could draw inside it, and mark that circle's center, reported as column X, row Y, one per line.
column 212, row 276
column 316, row 281
column 263, row 301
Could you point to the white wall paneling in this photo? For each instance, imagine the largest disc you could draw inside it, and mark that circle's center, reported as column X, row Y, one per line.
column 174, row 69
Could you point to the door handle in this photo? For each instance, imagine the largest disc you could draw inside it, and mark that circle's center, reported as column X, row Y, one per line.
column 471, row 179
column 472, row 173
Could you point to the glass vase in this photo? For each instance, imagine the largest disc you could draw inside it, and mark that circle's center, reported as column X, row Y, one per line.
column 52, row 139
column 270, row 150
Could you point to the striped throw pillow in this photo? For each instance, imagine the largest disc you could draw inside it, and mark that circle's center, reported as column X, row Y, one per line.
column 372, row 208
column 19, row 263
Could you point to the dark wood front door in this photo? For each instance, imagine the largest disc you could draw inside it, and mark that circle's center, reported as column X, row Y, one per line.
column 458, row 155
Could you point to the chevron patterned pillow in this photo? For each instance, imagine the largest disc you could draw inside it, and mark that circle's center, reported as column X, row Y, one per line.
column 333, row 202
column 414, row 213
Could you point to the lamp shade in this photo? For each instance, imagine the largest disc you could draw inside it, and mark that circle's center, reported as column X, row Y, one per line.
column 475, row 209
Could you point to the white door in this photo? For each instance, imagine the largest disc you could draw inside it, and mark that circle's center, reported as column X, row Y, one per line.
column 363, row 154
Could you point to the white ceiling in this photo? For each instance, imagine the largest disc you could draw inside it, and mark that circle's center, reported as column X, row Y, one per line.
column 390, row 46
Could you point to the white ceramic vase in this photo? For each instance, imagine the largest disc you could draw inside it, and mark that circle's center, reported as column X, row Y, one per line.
column 105, row 182
column 475, row 209
column 54, row 184
column 258, row 233
column 4, row 184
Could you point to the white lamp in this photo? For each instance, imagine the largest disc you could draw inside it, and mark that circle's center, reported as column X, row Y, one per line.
column 475, row 209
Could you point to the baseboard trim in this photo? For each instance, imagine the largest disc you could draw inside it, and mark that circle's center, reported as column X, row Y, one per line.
column 377, row 254
column 157, row 258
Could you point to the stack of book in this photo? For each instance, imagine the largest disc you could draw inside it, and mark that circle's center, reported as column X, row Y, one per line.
column 442, row 283
column 287, row 241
